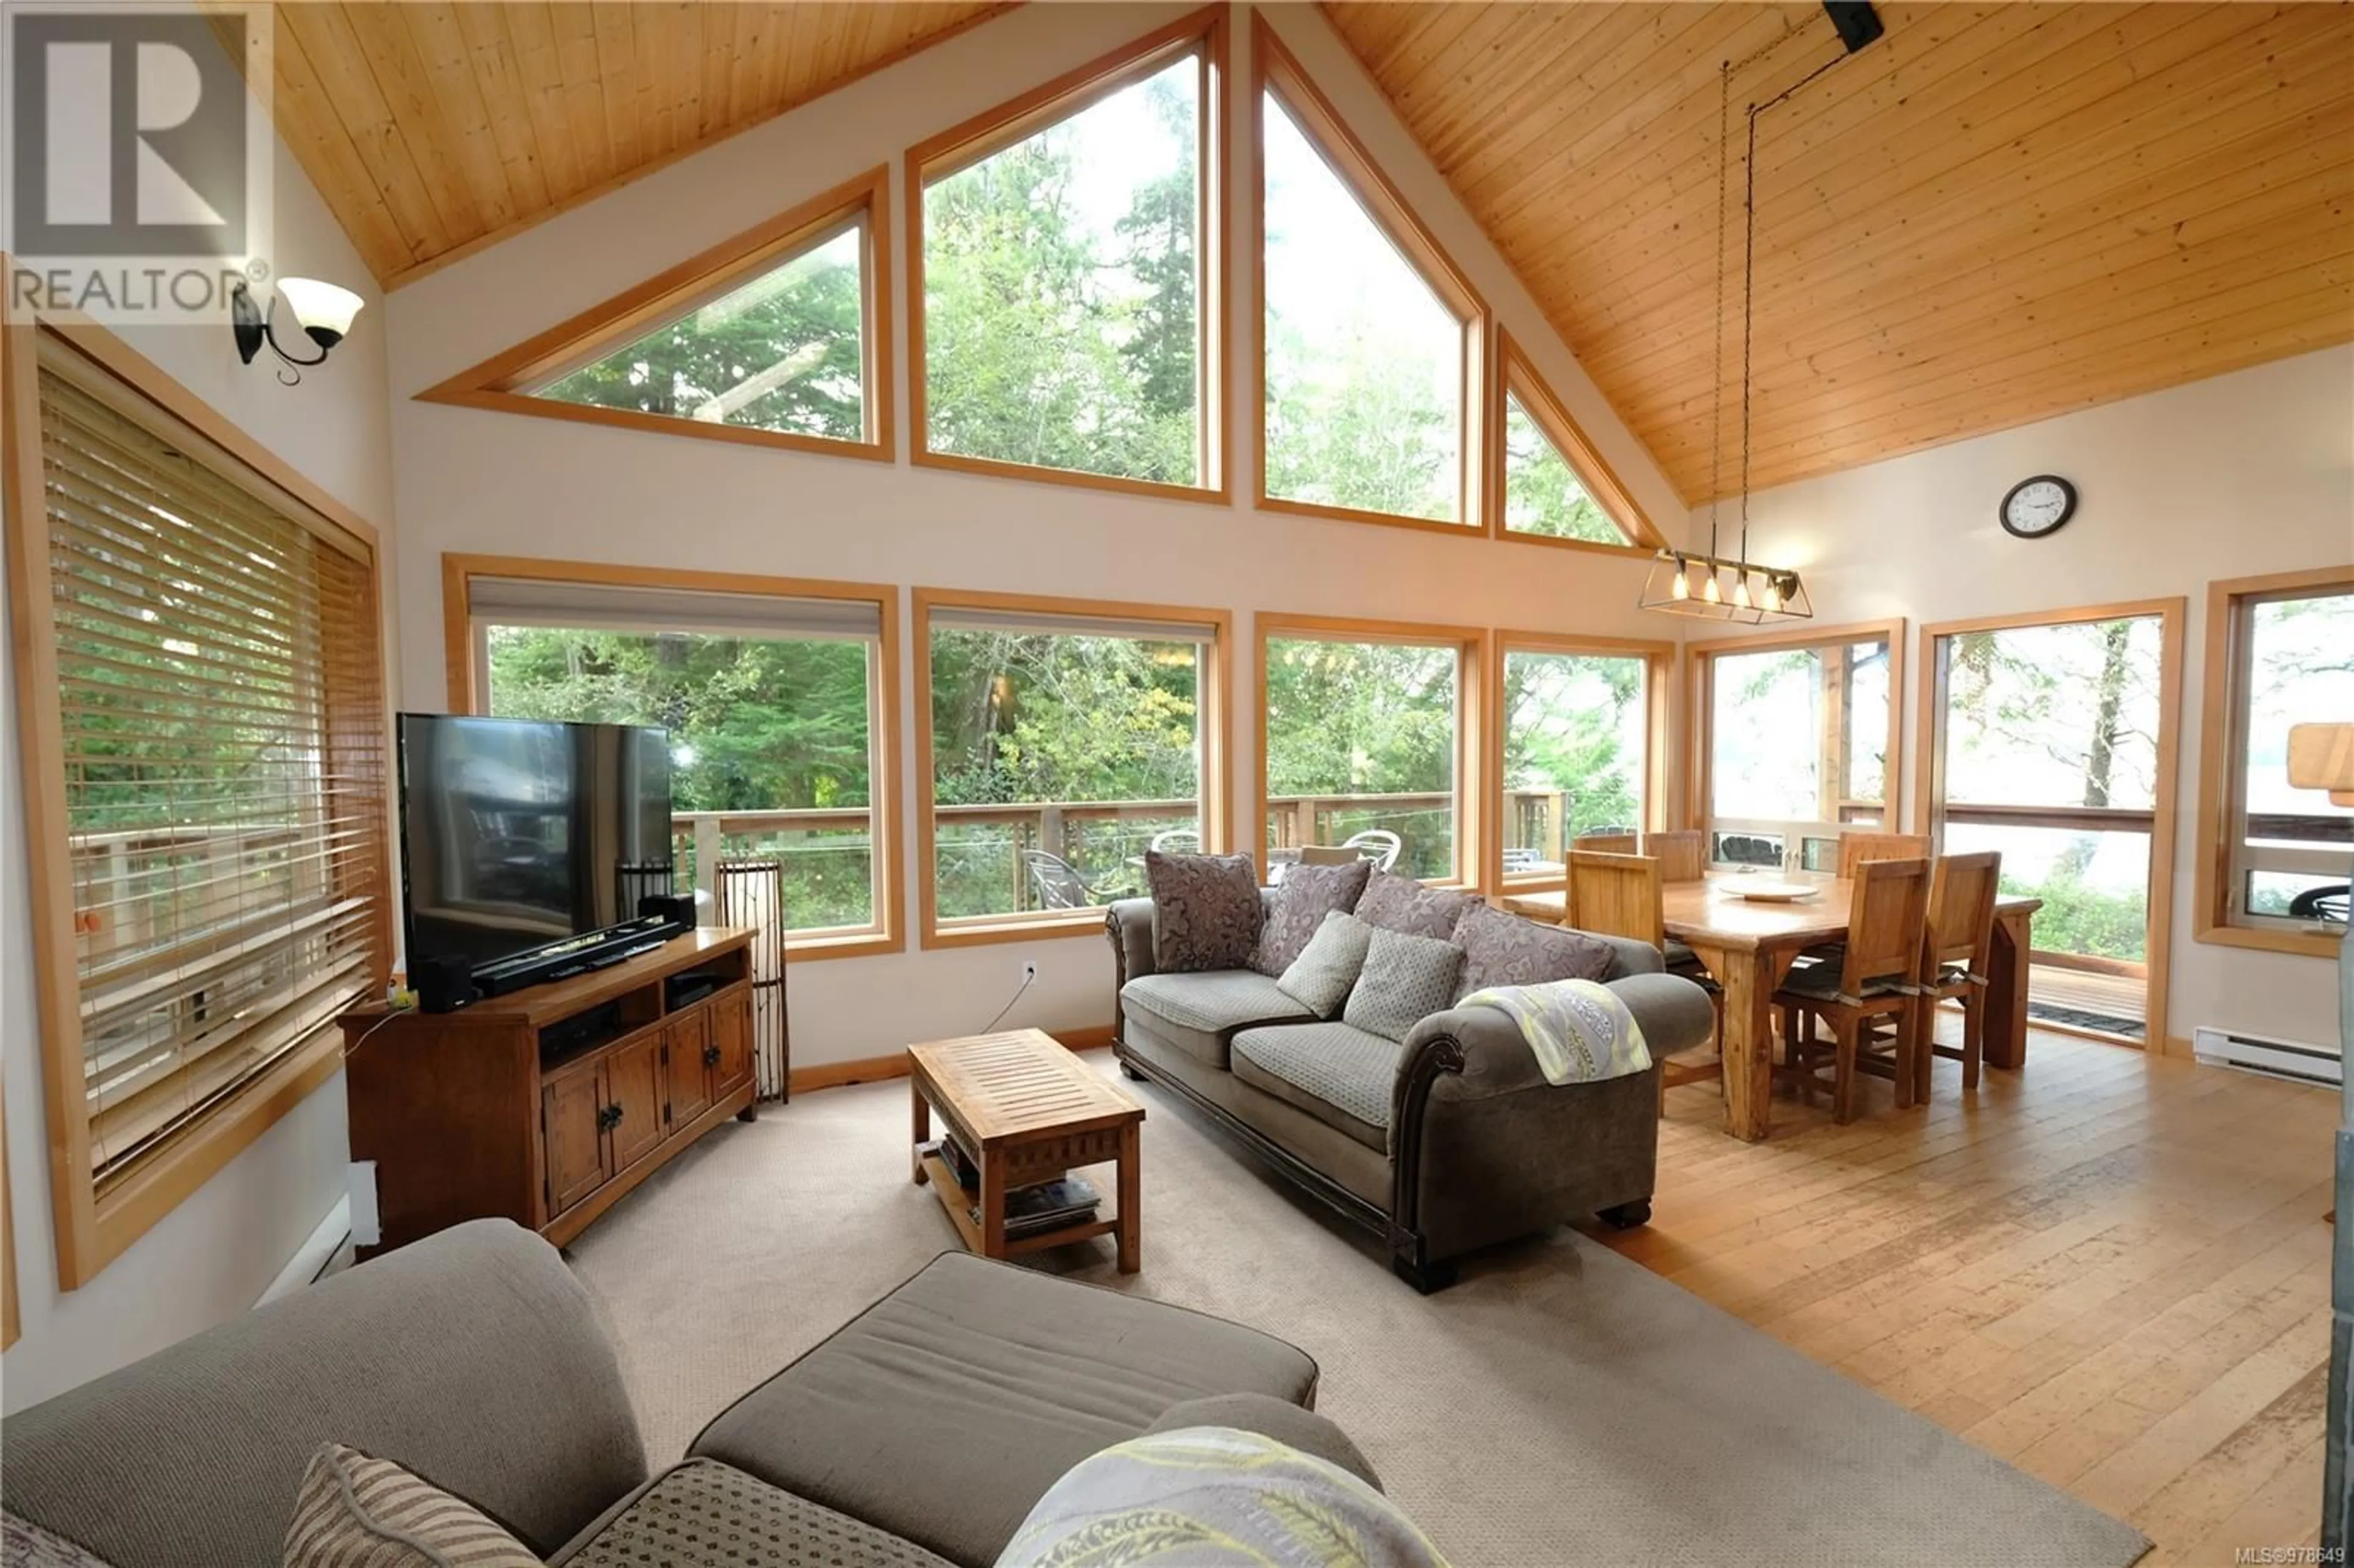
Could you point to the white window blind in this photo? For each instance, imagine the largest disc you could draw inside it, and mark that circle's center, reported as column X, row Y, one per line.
column 222, row 716
column 538, row 601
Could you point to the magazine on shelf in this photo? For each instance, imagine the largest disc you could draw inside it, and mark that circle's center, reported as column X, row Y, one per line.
column 1046, row 1206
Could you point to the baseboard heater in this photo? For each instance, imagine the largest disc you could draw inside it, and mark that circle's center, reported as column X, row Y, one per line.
column 2290, row 1059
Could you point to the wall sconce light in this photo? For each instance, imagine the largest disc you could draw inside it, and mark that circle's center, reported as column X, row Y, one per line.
column 322, row 310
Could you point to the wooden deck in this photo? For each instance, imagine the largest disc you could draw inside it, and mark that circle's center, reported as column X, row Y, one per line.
column 2084, row 991
column 2110, row 1270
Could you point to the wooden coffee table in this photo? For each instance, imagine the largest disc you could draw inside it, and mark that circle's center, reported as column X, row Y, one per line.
column 1027, row 1110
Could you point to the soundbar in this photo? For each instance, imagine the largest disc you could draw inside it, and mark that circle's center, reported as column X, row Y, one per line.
column 563, row 960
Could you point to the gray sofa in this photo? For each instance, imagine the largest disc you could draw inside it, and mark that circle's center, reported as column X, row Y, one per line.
column 1452, row 1142
column 475, row 1359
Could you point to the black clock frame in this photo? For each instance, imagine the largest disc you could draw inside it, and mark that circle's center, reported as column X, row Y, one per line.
column 2002, row 512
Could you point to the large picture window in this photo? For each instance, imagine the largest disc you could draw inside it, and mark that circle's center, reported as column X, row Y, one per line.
column 1371, row 730
column 204, row 731
column 1371, row 340
column 1061, row 740
column 1795, row 740
column 780, row 336
column 1578, row 723
column 2277, row 861
column 1066, row 312
column 775, row 692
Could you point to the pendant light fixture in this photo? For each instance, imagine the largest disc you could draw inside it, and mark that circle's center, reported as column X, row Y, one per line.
column 1711, row 585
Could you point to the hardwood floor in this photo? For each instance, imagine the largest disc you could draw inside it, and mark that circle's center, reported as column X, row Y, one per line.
column 2110, row 1270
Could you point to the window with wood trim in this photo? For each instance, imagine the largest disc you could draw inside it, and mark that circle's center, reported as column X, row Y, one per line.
column 775, row 703
column 1371, row 731
column 1552, row 484
column 778, row 336
column 1067, row 313
column 1796, row 742
column 1370, row 339
column 2278, row 859
column 204, row 756
column 1061, row 739
column 1579, row 745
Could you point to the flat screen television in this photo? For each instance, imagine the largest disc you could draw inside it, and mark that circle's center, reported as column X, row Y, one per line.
column 519, row 837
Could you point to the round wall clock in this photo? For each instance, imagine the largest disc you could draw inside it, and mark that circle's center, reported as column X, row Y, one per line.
column 2037, row 506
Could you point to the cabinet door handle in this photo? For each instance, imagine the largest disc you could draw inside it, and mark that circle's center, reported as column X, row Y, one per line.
column 711, row 1055
column 609, row 1117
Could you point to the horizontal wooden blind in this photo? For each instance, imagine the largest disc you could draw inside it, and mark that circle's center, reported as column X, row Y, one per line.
column 223, row 725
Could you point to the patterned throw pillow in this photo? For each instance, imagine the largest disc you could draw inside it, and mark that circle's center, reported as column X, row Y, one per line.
column 1214, row 1497
column 1401, row 903
column 353, row 1511
column 24, row 1544
column 1205, row 911
column 1405, row 980
column 1504, row 949
column 1302, row 899
column 1320, row 977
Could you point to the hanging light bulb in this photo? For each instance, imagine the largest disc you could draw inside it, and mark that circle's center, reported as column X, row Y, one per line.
column 1773, row 598
column 1741, row 590
column 1712, row 593
column 1681, row 586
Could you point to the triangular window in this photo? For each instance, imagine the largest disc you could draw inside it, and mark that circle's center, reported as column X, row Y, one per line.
column 1555, row 485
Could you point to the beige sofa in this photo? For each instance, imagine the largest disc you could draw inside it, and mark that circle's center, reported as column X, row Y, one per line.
column 475, row 1359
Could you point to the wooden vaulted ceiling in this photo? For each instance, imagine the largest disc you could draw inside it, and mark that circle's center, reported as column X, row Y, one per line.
column 433, row 127
column 1996, row 213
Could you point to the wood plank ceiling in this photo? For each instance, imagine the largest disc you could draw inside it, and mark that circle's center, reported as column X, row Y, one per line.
column 433, row 129
column 1997, row 213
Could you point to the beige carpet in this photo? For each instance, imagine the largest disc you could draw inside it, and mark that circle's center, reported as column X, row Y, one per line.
column 1561, row 1404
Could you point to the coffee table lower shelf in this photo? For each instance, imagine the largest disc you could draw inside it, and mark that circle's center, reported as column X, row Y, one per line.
column 957, row 1201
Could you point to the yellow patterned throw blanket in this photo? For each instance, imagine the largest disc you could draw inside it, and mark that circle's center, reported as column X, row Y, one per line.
column 1578, row 1030
column 1212, row 1496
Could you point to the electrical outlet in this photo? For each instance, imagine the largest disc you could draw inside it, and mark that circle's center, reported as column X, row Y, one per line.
column 1029, row 971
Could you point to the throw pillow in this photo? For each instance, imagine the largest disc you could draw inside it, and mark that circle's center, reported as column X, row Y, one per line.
column 1504, row 949
column 1405, row 980
column 1320, row 977
column 1401, row 903
column 353, row 1511
column 1302, row 899
column 1213, row 1496
column 1205, row 911
column 24, row 1544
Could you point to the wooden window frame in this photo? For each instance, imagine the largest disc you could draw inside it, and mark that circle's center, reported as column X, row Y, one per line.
column 1517, row 379
column 467, row 681
column 2222, row 745
column 1658, row 684
column 1215, row 689
column 496, row 383
column 93, row 1228
column 1472, row 647
column 1203, row 33
column 1928, row 796
column 1700, row 709
column 1274, row 69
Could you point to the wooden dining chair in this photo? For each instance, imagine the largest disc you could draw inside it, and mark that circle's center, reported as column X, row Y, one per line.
column 1623, row 896
column 1877, row 978
column 1683, row 855
column 1855, row 848
column 1957, row 947
column 1606, row 843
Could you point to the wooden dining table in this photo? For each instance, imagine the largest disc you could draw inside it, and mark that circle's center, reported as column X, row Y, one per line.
column 1748, row 946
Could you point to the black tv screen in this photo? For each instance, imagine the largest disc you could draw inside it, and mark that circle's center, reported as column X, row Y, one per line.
column 516, row 835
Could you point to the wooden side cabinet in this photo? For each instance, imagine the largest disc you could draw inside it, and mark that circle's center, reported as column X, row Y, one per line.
column 548, row 1106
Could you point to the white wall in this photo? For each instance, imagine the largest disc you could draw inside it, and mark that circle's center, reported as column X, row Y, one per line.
column 216, row 1253
column 2229, row 477
column 476, row 481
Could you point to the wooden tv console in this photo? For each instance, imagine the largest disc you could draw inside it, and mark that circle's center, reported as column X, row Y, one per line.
column 468, row 1118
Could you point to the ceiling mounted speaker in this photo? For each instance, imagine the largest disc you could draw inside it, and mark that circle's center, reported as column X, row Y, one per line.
column 1857, row 22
